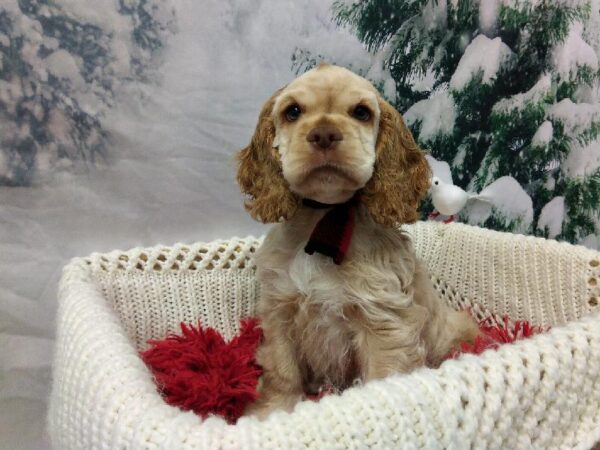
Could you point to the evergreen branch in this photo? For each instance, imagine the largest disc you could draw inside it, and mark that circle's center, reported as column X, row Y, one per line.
column 303, row 60
column 584, row 75
column 376, row 21
column 582, row 195
column 498, row 221
column 540, row 25
column 560, row 144
column 588, row 136
column 532, row 31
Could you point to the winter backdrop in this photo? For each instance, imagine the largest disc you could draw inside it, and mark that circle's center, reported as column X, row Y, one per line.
column 119, row 120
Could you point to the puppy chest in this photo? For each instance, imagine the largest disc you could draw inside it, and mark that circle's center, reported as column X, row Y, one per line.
column 325, row 346
column 369, row 282
column 324, row 332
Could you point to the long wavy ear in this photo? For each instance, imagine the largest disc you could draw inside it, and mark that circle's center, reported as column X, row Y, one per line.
column 401, row 175
column 260, row 175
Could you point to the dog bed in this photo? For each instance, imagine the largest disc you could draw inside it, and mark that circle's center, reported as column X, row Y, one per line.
column 542, row 392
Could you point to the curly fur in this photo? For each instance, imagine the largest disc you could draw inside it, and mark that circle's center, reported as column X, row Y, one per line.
column 401, row 175
column 377, row 313
column 260, row 176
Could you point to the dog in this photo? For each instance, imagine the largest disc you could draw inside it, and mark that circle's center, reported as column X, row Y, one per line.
column 330, row 154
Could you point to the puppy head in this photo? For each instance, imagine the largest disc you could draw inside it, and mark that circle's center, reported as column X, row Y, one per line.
column 325, row 136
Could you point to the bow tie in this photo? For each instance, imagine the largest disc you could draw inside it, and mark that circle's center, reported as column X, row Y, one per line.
column 333, row 233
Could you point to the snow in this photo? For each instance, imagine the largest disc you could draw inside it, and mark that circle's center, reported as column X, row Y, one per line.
column 543, row 135
column 552, row 216
column 550, row 183
column 378, row 74
column 574, row 52
column 533, row 95
column 423, row 82
column 482, row 54
column 103, row 15
column 591, row 241
column 62, row 65
column 3, row 162
column 488, row 15
column 592, row 25
column 582, row 160
column 437, row 115
column 459, row 158
column 577, row 117
column 435, row 14
column 58, row 124
column 101, row 33
column 534, row 3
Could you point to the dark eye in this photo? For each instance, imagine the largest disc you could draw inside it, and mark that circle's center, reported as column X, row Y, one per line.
column 292, row 113
column 361, row 113
column 436, row 182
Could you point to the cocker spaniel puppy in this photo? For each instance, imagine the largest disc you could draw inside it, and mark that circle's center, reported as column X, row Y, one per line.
column 343, row 296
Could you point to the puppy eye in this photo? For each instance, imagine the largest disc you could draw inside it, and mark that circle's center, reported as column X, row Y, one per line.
column 361, row 113
column 292, row 113
column 436, row 182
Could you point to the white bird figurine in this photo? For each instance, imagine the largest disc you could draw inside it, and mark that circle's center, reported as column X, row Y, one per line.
column 448, row 199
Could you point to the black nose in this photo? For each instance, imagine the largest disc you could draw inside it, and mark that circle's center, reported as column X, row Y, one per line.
column 324, row 137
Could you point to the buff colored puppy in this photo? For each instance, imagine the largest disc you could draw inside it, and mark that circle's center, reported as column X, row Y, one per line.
column 330, row 137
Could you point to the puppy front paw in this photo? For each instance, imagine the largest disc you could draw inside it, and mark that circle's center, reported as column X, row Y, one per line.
column 266, row 404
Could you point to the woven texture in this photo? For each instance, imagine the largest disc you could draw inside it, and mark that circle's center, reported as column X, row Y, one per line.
column 541, row 393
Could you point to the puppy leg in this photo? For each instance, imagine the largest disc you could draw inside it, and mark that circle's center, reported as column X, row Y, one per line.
column 447, row 330
column 393, row 346
column 281, row 383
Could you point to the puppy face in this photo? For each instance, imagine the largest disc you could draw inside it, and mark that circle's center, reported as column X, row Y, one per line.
column 325, row 136
column 326, row 125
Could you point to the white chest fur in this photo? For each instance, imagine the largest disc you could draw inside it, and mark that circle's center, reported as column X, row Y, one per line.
column 321, row 315
column 317, row 279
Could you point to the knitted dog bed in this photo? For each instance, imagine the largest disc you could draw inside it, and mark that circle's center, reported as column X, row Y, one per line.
column 542, row 392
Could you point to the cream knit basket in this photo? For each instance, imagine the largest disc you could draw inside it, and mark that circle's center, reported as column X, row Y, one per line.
column 539, row 393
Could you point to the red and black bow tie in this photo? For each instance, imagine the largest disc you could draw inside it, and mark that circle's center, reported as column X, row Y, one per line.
column 333, row 233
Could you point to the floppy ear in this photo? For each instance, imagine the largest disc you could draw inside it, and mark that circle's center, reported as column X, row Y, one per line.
column 401, row 173
column 260, row 174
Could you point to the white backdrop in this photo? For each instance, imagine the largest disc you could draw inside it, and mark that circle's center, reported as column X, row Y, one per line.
column 169, row 175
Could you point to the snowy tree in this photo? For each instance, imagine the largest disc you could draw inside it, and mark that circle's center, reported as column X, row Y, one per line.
column 495, row 88
column 61, row 65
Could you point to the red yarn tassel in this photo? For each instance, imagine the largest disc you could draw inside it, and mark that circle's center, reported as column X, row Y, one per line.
column 494, row 335
column 199, row 371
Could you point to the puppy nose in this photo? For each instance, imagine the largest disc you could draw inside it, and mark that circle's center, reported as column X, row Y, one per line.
column 324, row 137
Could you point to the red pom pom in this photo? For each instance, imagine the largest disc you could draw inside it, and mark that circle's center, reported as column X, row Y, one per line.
column 494, row 335
column 201, row 372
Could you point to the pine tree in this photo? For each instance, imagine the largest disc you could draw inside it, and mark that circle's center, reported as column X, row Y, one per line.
column 495, row 88
column 59, row 74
